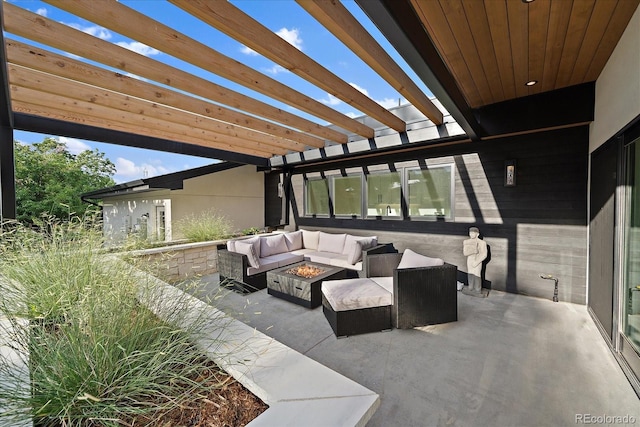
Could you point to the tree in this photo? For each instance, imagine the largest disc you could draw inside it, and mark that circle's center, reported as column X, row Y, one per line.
column 50, row 180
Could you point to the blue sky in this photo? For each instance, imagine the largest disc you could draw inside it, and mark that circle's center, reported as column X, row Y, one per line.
column 285, row 17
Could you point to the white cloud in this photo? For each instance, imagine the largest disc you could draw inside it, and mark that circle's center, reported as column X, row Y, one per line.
column 248, row 51
column 74, row 146
column 291, row 36
column 127, row 170
column 363, row 90
column 94, row 30
column 42, row 11
column 353, row 115
column 388, row 102
column 276, row 69
column 330, row 100
column 140, row 48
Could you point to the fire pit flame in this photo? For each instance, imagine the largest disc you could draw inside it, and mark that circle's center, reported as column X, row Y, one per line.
column 306, row 271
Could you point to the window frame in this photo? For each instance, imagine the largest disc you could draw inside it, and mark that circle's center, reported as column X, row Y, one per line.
column 452, row 195
column 306, row 197
column 365, row 208
column 332, row 195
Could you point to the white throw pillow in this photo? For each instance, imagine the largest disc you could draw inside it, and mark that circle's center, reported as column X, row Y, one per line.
column 350, row 242
column 333, row 243
column 248, row 249
column 231, row 245
column 255, row 241
column 310, row 239
column 361, row 244
column 272, row 245
column 410, row 259
column 293, row 240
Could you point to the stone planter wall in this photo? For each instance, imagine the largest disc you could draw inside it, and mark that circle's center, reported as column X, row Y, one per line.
column 183, row 261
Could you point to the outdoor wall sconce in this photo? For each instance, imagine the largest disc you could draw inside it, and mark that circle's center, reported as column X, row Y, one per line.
column 510, row 173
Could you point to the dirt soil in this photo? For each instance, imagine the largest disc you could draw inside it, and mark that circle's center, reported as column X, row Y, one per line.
column 231, row 405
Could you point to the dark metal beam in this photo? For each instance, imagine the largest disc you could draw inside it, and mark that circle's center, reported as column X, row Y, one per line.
column 7, row 166
column 557, row 108
column 74, row 130
column 398, row 22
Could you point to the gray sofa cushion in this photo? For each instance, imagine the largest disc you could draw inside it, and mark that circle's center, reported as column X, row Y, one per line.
column 329, row 242
column 264, row 266
column 293, row 240
column 353, row 294
column 282, row 259
column 310, row 239
column 410, row 259
column 384, row 282
column 248, row 249
column 357, row 245
column 324, row 257
column 272, row 245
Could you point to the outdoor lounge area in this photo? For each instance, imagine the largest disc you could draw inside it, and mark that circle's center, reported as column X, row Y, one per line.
column 509, row 360
column 498, row 139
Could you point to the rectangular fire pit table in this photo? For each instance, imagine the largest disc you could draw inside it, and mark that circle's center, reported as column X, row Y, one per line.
column 301, row 290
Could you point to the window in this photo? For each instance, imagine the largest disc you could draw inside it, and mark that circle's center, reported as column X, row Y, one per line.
column 430, row 192
column 317, row 197
column 347, row 195
column 384, row 193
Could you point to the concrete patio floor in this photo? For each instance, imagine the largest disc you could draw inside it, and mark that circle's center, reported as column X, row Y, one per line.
column 510, row 360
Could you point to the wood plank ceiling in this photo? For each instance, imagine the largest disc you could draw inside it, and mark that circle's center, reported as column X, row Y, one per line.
column 173, row 104
column 491, row 48
column 494, row 47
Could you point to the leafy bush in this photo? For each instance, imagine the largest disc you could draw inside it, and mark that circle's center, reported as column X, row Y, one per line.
column 250, row 231
column 96, row 355
column 205, row 226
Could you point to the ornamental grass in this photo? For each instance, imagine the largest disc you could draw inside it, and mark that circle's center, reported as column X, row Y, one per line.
column 94, row 355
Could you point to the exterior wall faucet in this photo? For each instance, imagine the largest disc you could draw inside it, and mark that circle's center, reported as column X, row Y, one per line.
column 555, row 290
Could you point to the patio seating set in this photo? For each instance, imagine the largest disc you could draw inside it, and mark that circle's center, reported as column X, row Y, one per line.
column 363, row 286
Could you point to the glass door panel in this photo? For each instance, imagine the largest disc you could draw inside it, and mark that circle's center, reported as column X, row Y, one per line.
column 631, row 287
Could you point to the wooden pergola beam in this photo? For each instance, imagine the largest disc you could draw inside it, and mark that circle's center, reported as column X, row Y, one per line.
column 52, row 126
column 57, row 107
column 130, row 23
column 48, row 83
column 224, row 16
column 26, row 24
column 342, row 24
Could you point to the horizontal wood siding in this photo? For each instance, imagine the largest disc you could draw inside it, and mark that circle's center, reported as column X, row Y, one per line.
column 537, row 227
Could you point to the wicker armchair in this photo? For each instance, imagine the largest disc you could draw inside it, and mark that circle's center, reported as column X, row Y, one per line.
column 421, row 296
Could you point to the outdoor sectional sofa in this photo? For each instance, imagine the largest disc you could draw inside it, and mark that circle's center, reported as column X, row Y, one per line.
column 246, row 261
column 399, row 291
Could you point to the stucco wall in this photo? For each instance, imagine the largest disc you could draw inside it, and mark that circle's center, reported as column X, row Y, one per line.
column 618, row 87
column 237, row 193
column 125, row 215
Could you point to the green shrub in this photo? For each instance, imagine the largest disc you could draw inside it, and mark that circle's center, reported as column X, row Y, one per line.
column 96, row 355
column 205, row 226
column 250, row 231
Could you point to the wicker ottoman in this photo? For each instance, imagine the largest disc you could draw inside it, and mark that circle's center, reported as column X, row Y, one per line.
column 356, row 306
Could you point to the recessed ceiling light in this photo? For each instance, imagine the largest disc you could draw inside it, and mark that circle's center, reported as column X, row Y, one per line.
column 531, row 83
column 528, row 1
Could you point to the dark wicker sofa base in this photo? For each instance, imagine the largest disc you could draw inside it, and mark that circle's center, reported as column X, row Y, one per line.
column 233, row 271
column 360, row 321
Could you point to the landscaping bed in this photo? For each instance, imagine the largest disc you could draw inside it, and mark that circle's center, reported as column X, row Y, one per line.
column 100, row 345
